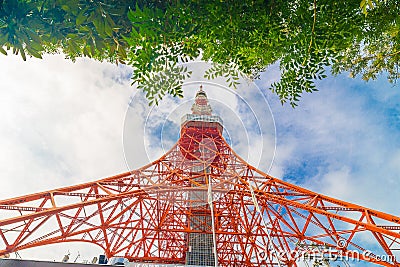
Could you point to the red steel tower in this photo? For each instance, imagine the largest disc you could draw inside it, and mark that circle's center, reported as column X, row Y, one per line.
column 200, row 204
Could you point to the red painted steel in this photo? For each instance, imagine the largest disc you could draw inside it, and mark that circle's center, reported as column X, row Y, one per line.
column 143, row 214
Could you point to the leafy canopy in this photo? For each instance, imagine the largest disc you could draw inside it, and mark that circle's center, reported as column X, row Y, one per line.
column 306, row 37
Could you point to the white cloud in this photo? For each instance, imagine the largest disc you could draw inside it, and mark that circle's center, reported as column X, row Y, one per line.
column 342, row 141
column 61, row 124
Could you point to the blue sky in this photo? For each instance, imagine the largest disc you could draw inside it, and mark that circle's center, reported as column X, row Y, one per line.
column 344, row 141
column 64, row 123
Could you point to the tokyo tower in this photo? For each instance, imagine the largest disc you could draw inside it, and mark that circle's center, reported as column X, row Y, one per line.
column 201, row 204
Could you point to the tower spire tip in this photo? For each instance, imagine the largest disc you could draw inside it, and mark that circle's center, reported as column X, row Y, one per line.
column 201, row 105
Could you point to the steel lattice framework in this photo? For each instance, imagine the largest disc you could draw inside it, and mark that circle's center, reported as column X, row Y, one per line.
column 148, row 215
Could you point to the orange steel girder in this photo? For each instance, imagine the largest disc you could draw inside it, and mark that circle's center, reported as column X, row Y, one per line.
column 143, row 214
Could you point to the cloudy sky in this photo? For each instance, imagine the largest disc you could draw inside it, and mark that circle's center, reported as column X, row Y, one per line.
column 64, row 123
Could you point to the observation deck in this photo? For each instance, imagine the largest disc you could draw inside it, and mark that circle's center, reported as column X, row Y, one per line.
column 201, row 116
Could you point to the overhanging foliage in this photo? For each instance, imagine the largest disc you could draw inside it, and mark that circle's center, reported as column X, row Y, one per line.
column 239, row 37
